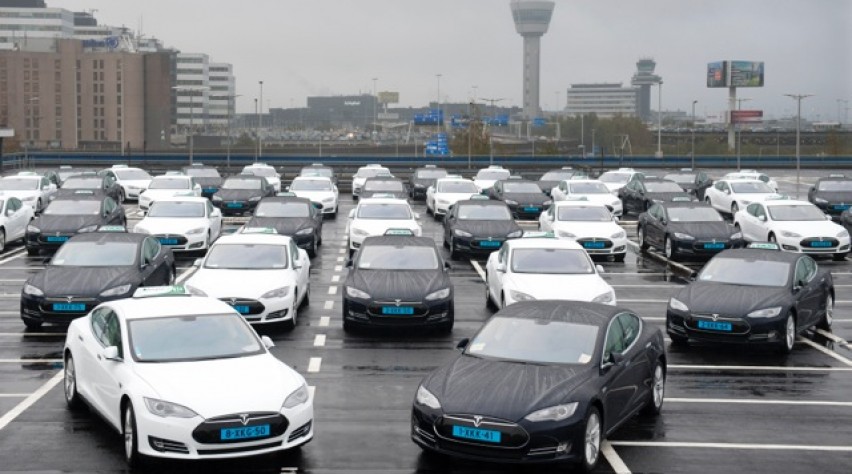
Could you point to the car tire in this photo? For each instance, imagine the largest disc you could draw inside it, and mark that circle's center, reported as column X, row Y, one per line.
column 489, row 303
column 708, row 201
column 312, row 251
column 2, row 240
column 658, row 390
column 72, row 397
column 39, row 207
column 679, row 341
column 670, row 252
column 32, row 252
column 290, row 324
column 306, row 299
column 454, row 253
column 172, row 275
column 643, row 242
column 348, row 327
column 789, row 336
column 828, row 316
column 428, row 209
column 31, row 324
column 734, row 208
column 131, row 437
column 592, row 440
column 620, row 257
column 772, row 238
column 121, row 196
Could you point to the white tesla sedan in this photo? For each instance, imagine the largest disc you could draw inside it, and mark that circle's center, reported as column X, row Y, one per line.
column 181, row 377
column 797, row 226
column 32, row 189
column 318, row 189
column 182, row 223
column 14, row 217
column 543, row 268
column 266, row 171
column 486, row 177
column 591, row 190
column 261, row 273
column 617, row 179
column 132, row 180
column 731, row 195
column 753, row 174
column 591, row 224
column 168, row 186
column 448, row 191
column 364, row 172
column 374, row 216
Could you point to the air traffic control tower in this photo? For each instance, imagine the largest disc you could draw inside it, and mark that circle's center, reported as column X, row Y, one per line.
column 644, row 79
column 532, row 17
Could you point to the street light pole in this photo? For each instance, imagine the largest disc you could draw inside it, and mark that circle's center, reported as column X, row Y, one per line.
column 798, row 98
column 439, row 100
column 256, row 130
column 375, row 105
column 660, row 120
column 260, row 124
column 693, row 133
column 739, row 131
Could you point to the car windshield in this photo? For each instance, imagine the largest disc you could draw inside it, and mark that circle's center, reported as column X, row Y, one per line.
column 551, row 261
column 391, row 186
column 796, row 212
column 663, row 187
column 681, row 178
column 584, row 214
column 202, row 172
column 324, row 172
column 384, row 211
column 96, row 254
column 242, row 184
column 247, row 257
column 371, row 172
column 430, row 174
column 282, row 209
column 618, row 178
column 65, row 174
column 190, row 338
column 484, row 212
column 73, row 208
column 265, row 172
column 535, row 340
column 530, row 188
column 83, row 183
column 746, row 271
column 19, row 184
column 694, row 214
column 132, row 174
column 588, row 188
column 397, row 257
column 753, row 187
column 310, row 185
column 457, row 187
column 176, row 209
column 495, row 175
column 835, row 185
column 557, row 175
column 169, row 183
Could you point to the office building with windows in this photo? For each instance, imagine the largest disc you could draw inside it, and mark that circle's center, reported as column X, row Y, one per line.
column 606, row 100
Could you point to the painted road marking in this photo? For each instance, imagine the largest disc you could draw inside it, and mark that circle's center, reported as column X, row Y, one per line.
column 343, row 250
column 184, row 275
column 779, row 447
column 324, row 321
column 31, row 334
column 614, row 460
column 314, row 364
column 329, row 304
column 30, row 400
column 820, row 403
column 340, row 259
column 339, row 268
column 14, row 395
column 758, row 368
column 335, row 279
column 478, row 269
column 834, row 338
column 826, row 351
column 319, row 340
column 13, row 255
column 332, row 290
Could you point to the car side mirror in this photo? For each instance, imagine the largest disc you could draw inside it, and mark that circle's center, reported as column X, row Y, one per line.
column 762, row 218
column 417, row 215
column 600, row 268
column 349, row 263
column 111, row 353
column 611, row 361
column 616, row 219
column 501, row 267
column 693, row 276
column 267, row 342
column 663, row 221
column 352, row 213
column 463, row 344
column 197, row 262
column 216, row 213
column 827, row 217
column 448, row 266
column 727, row 191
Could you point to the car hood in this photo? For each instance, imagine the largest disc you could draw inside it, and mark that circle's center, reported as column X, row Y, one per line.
column 389, row 285
column 605, row 199
column 547, row 186
column 526, row 198
column 835, row 196
column 483, row 229
column 501, row 389
column 703, row 230
column 87, row 281
column 601, row 230
column 395, row 194
column 238, row 194
column 824, row 228
column 379, row 226
column 154, row 194
column 558, row 287
column 452, row 197
column 667, row 196
column 65, row 224
column 615, row 186
column 282, row 225
column 138, row 183
column 21, row 194
column 171, row 225
column 753, row 197
column 484, row 183
column 314, row 196
column 224, row 386
column 423, row 182
column 239, row 283
column 736, row 300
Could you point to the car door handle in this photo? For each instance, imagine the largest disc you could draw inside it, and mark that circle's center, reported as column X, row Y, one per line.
column 99, row 357
column 79, row 337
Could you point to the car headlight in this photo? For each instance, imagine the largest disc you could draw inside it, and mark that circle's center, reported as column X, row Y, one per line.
column 115, row 291
column 298, row 397
column 765, row 313
column 604, row 298
column 843, row 234
column 515, row 234
column 511, row 202
column 194, row 291
column 567, row 235
column 32, row 291
column 556, row 413
column 217, row 198
column 197, row 230
column 328, row 199
column 133, row 187
column 255, row 199
column 547, row 203
column 424, row 397
column 166, row 409
column 307, row 231
column 681, row 236
column 277, row 293
column 419, row 185
column 520, row 296
column 443, row 202
column 787, row 233
column 676, row 304
column 31, row 229
column 618, row 235
column 820, row 201
column 438, row 295
column 361, row 232
column 615, row 204
column 356, row 293
column 737, row 236
column 461, row 233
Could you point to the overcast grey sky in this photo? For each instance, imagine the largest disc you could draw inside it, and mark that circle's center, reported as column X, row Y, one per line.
column 319, row 47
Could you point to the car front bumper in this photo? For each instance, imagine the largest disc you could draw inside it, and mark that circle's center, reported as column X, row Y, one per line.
column 743, row 329
column 232, row 207
column 183, row 242
column 704, row 247
column 41, row 308
column 478, row 245
column 368, row 313
column 263, row 310
column 814, row 245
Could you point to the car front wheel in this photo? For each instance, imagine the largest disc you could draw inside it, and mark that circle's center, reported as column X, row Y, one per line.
column 592, row 440
column 72, row 398
column 828, row 317
column 789, row 335
column 131, row 438
column 658, row 390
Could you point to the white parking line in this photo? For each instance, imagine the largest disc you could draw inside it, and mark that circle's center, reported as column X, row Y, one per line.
column 820, row 403
column 14, row 395
column 30, row 361
column 613, row 458
column 332, row 290
column 184, row 275
column 340, row 259
column 313, row 391
column 758, row 368
column 752, row 446
column 335, row 278
column 329, row 304
column 834, row 338
column 314, row 364
column 319, row 340
column 826, row 351
column 33, row 267
column 31, row 334
column 343, row 250
column 13, row 255
column 643, row 301
column 647, row 286
column 338, row 268
column 21, row 280
column 324, row 321
column 30, row 400
column 478, row 269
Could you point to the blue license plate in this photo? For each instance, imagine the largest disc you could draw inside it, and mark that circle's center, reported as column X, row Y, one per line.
column 54, row 238
column 63, row 307
column 244, row 432
column 821, row 244
column 235, row 205
column 242, row 309
column 593, row 245
column 404, row 310
column 531, row 209
column 714, row 246
column 489, row 436
column 168, row 241
column 715, row 326
column 841, row 207
column 490, row 244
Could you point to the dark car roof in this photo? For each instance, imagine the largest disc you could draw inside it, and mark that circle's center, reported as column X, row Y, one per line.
column 286, row 199
column 834, row 178
column 109, row 237
column 481, row 202
column 248, row 177
column 688, row 204
column 563, row 311
column 760, row 254
column 95, row 196
column 383, row 178
column 514, row 180
column 656, row 180
column 399, row 240
column 199, row 167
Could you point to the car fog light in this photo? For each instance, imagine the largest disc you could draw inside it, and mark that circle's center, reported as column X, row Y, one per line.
column 563, row 447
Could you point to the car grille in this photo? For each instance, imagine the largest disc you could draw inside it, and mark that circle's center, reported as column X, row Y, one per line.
column 170, row 239
column 819, row 244
column 300, row 432
column 512, row 435
column 209, row 432
column 251, row 307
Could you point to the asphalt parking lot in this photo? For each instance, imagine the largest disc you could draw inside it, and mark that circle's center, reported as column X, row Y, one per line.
column 727, row 409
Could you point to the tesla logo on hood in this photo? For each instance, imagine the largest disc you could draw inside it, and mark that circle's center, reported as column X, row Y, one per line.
column 715, row 317
column 244, row 418
column 397, row 302
column 477, row 420
column 233, row 301
column 69, row 298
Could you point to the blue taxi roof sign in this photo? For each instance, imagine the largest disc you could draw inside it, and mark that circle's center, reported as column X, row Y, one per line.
column 763, row 246
column 400, row 232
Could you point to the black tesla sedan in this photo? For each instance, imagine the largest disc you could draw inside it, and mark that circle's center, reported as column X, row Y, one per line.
column 240, row 194
column 292, row 216
column 686, row 229
column 90, row 269
column 84, row 211
column 753, row 295
column 422, row 178
column 692, row 181
column 206, row 176
column 640, row 193
column 551, row 179
column 398, row 280
column 524, row 198
column 832, row 195
column 478, row 226
column 542, row 381
column 90, row 182
column 384, row 185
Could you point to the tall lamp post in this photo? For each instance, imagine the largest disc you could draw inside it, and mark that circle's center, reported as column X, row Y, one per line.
column 438, row 76
column 256, row 130
column 660, row 120
column 193, row 90
column 693, row 133
column 375, row 106
column 490, row 132
column 798, row 98
column 231, row 98
column 260, row 124
column 739, row 131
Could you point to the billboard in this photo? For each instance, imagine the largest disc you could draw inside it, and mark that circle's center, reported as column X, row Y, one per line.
column 388, row 97
column 746, row 116
column 717, row 74
column 735, row 74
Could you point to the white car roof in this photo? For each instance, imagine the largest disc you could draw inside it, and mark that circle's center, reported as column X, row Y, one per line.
column 182, row 199
column 24, row 176
column 579, row 203
column 257, row 165
column 543, row 243
column 452, row 179
column 311, row 178
column 741, row 180
column 159, row 306
column 382, row 201
column 171, row 177
column 784, row 202
column 253, row 238
column 571, row 181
